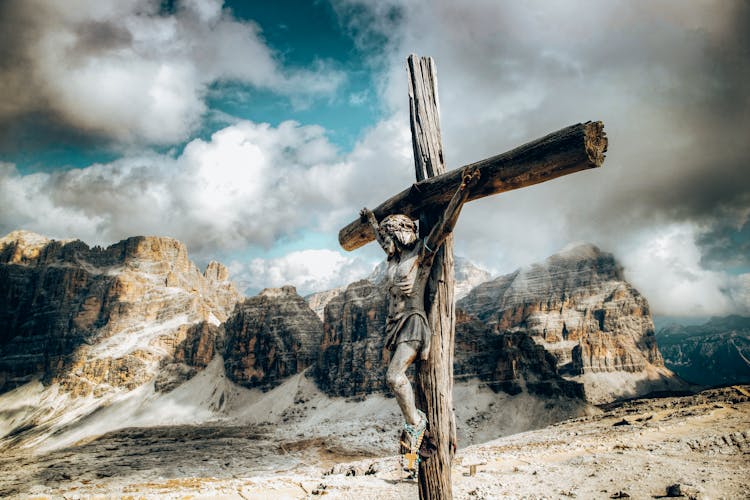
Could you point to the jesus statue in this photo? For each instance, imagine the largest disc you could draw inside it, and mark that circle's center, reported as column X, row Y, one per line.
column 407, row 331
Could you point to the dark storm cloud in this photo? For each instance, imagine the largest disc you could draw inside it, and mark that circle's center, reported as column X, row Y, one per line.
column 17, row 87
column 96, row 37
column 726, row 246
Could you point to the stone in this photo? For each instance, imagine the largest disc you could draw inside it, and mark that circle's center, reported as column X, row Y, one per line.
column 319, row 300
column 201, row 343
column 270, row 337
column 578, row 306
column 99, row 319
column 352, row 357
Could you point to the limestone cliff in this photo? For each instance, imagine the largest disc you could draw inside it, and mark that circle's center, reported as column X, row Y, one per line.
column 578, row 306
column 100, row 319
column 319, row 300
column 352, row 357
column 270, row 337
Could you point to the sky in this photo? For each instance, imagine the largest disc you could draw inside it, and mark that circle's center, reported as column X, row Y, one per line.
column 254, row 131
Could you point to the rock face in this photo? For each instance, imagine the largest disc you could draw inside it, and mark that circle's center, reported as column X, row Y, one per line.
column 97, row 320
column 202, row 342
column 468, row 276
column 716, row 353
column 270, row 337
column 352, row 357
column 319, row 300
column 578, row 307
column 511, row 362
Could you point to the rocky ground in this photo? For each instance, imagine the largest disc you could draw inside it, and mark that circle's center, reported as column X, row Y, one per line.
column 634, row 450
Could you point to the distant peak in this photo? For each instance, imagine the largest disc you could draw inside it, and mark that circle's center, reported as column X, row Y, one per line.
column 25, row 237
column 278, row 292
column 22, row 246
column 579, row 250
column 216, row 271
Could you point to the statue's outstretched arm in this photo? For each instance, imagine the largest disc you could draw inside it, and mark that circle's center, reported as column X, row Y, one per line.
column 383, row 239
column 449, row 217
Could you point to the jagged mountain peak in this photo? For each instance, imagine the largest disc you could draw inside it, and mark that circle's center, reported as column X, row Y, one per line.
column 577, row 266
column 97, row 319
column 25, row 237
column 278, row 292
column 216, row 271
column 578, row 250
column 28, row 248
column 22, row 246
column 578, row 305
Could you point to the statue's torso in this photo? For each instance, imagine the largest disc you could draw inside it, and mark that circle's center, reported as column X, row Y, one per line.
column 406, row 283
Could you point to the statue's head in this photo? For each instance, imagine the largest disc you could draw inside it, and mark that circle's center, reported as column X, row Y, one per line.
column 401, row 228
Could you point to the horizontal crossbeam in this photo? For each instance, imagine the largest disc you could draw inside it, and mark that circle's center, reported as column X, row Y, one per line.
column 569, row 150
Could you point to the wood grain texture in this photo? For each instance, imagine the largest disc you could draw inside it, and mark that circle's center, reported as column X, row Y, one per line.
column 569, row 150
column 425, row 117
column 434, row 387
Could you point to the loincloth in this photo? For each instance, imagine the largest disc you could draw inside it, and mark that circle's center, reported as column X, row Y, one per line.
column 409, row 326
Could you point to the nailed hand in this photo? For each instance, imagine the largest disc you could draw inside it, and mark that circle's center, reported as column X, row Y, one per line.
column 469, row 177
column 366, row 215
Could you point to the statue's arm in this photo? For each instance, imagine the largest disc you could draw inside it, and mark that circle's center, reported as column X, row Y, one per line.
column 383, row 239
column 449, row 217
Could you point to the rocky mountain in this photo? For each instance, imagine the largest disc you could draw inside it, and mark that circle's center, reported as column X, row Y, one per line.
column 96, row 320
column 133, row 327
column 352, row 357
column 270, row 337
column 715, row 353
column 579, row 308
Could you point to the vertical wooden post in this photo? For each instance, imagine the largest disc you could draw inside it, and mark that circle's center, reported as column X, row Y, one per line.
column 434, row 389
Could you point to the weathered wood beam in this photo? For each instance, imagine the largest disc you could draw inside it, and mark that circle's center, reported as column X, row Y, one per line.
column 424, row 112
column 434, row 384
column 569, row 150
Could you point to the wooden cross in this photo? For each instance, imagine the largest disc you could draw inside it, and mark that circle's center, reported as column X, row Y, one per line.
column 572, row 149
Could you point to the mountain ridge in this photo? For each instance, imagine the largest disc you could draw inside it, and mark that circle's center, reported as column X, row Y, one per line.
column 144, row 320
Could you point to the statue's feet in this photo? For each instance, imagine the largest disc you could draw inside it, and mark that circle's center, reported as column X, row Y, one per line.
column 411, row 441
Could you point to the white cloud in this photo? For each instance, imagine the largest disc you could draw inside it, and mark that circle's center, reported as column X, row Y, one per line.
column 308, row 270
column 248, row 186
column 665, row 265
column 126, row 71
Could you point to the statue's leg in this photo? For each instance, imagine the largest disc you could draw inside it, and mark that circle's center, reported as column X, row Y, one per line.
column 404, row 356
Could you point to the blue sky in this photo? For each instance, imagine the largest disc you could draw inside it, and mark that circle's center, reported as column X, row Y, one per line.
column 252, row 131
column 300, row 34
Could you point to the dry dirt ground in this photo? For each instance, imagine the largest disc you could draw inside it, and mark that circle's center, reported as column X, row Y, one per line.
column 632, row 450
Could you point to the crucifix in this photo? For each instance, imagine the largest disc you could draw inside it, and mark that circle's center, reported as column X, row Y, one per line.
column 421, row 323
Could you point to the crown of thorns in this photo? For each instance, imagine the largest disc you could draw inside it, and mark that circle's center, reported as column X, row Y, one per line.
column 398, row 222
column 402, row 227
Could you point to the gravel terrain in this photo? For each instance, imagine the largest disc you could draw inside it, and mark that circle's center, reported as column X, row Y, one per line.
column 637, row 448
